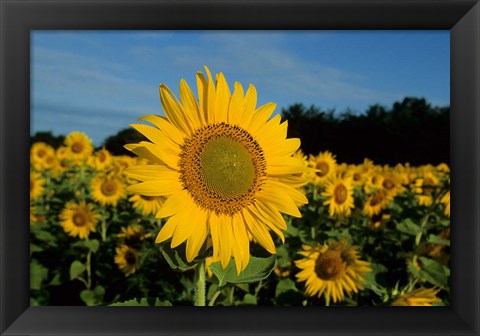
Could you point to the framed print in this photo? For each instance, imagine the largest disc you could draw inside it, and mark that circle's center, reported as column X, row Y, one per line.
column 237, row 176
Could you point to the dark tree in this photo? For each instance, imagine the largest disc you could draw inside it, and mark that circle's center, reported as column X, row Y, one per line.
column 48, row 138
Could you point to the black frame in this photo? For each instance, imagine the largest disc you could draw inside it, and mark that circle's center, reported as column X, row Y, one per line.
column 18, row 17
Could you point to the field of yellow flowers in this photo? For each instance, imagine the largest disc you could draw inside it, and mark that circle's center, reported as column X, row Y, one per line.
column 369, row 235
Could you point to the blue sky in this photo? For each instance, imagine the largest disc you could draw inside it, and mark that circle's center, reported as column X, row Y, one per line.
column 100, row 82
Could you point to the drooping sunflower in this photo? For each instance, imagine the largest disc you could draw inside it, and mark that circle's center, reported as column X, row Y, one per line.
column 79, row 146
column 132, row 235
column 37, row 185
column 418, row 297
column 332, row 270
column 147, row 205
column 127, row 259
column 326, row 165
column 339, row 192
column 224, row 166
column 79, row 219
column 107, row 190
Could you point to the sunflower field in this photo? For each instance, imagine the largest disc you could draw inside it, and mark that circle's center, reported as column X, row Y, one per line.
column 383, row 233
column 218, row 208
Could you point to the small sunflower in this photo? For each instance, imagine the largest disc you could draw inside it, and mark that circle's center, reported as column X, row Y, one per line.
column 446, row 203
column 132, row 235
column 332, row 270
column 38, row 152
column 224, row 166
column 147, row 205
column 418, row 297
column 376, row 202
column 102, row 160
column 33, row 216
column 79, row 219
column 391, row 184
column 37, row 186
column 326, row 165
column 339, row 192
column 107, row 190
column 79, row 146
column 127, row 259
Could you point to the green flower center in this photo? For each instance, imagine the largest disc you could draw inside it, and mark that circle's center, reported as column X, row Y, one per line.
column 222, row 167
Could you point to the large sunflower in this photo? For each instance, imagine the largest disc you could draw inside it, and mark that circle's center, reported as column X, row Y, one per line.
column 225, row 167
column 107, row 190
column 79, row 219
column 339, row 193
column 332, row 270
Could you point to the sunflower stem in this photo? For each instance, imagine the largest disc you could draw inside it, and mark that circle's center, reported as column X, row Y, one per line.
column 200, row 293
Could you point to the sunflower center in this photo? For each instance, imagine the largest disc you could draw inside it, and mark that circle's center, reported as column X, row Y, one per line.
column 376, row 199
column 357, row 177
column 130, row 258
column 323, row 168
column 77, row 147
column 329, row 265
column 79, row 220
column 102, row 157
column 222, row 167
column 41, row 153
column 109, row 188
column 32, row 185
column 388, row 184
column 340, row 194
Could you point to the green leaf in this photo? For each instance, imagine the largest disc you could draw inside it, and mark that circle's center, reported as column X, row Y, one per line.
column 55, row 281
column 142, row 302
column 409, row 227
column 46, row 237
column 38, row 273
column 76, row 268
column 436, row 240
column 434, row 272
column 256, row 270
column 249, row 300
column 93, row 297
column 35, row 248
column 376, row 276
column 287, row 293
column 93, row 245
column 176, row 259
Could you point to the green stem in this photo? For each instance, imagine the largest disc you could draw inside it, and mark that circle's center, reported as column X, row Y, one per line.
column 89, row 270
column 200, row 293
column 214, row 297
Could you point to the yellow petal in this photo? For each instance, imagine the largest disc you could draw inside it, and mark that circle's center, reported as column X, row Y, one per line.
column 190, row 105
column 222, row 99
column 167, row 230
column 235, row 108
column 173, row 205
column 202, row 97
column 150, row 172
column 156, row 188
column 282, row 202
column 174, row 110
column 258, row 230
column 165, row 126
column 196, row 240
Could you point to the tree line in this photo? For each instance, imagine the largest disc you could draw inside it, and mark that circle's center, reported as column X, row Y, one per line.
column 411, row 131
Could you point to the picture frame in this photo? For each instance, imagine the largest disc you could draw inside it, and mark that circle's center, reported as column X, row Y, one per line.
column 18, row 18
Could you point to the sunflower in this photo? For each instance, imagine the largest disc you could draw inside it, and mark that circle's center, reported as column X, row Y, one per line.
column 37, row 184
column 391, row 184
column 79, row 219
column 332, row 270
column 418, row 297
column 148, row 205
column 446, row 203
column 38, row 152
column 107, row 190
column 102, row 160
column 224, row 166
column 33, row 216
column 79, row 146
column 339, row 192
column 326, row 166
column 127, row 259
column 132, row 235
column 376, row 202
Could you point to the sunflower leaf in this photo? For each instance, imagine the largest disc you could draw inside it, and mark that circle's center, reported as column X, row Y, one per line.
column 434, row 272
column 287, row 293
column 76, row 268
column 436, row 240
column 409, row 227
column 93, row 245
column 256, row 270
column 176, row 259
column 38, row 273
